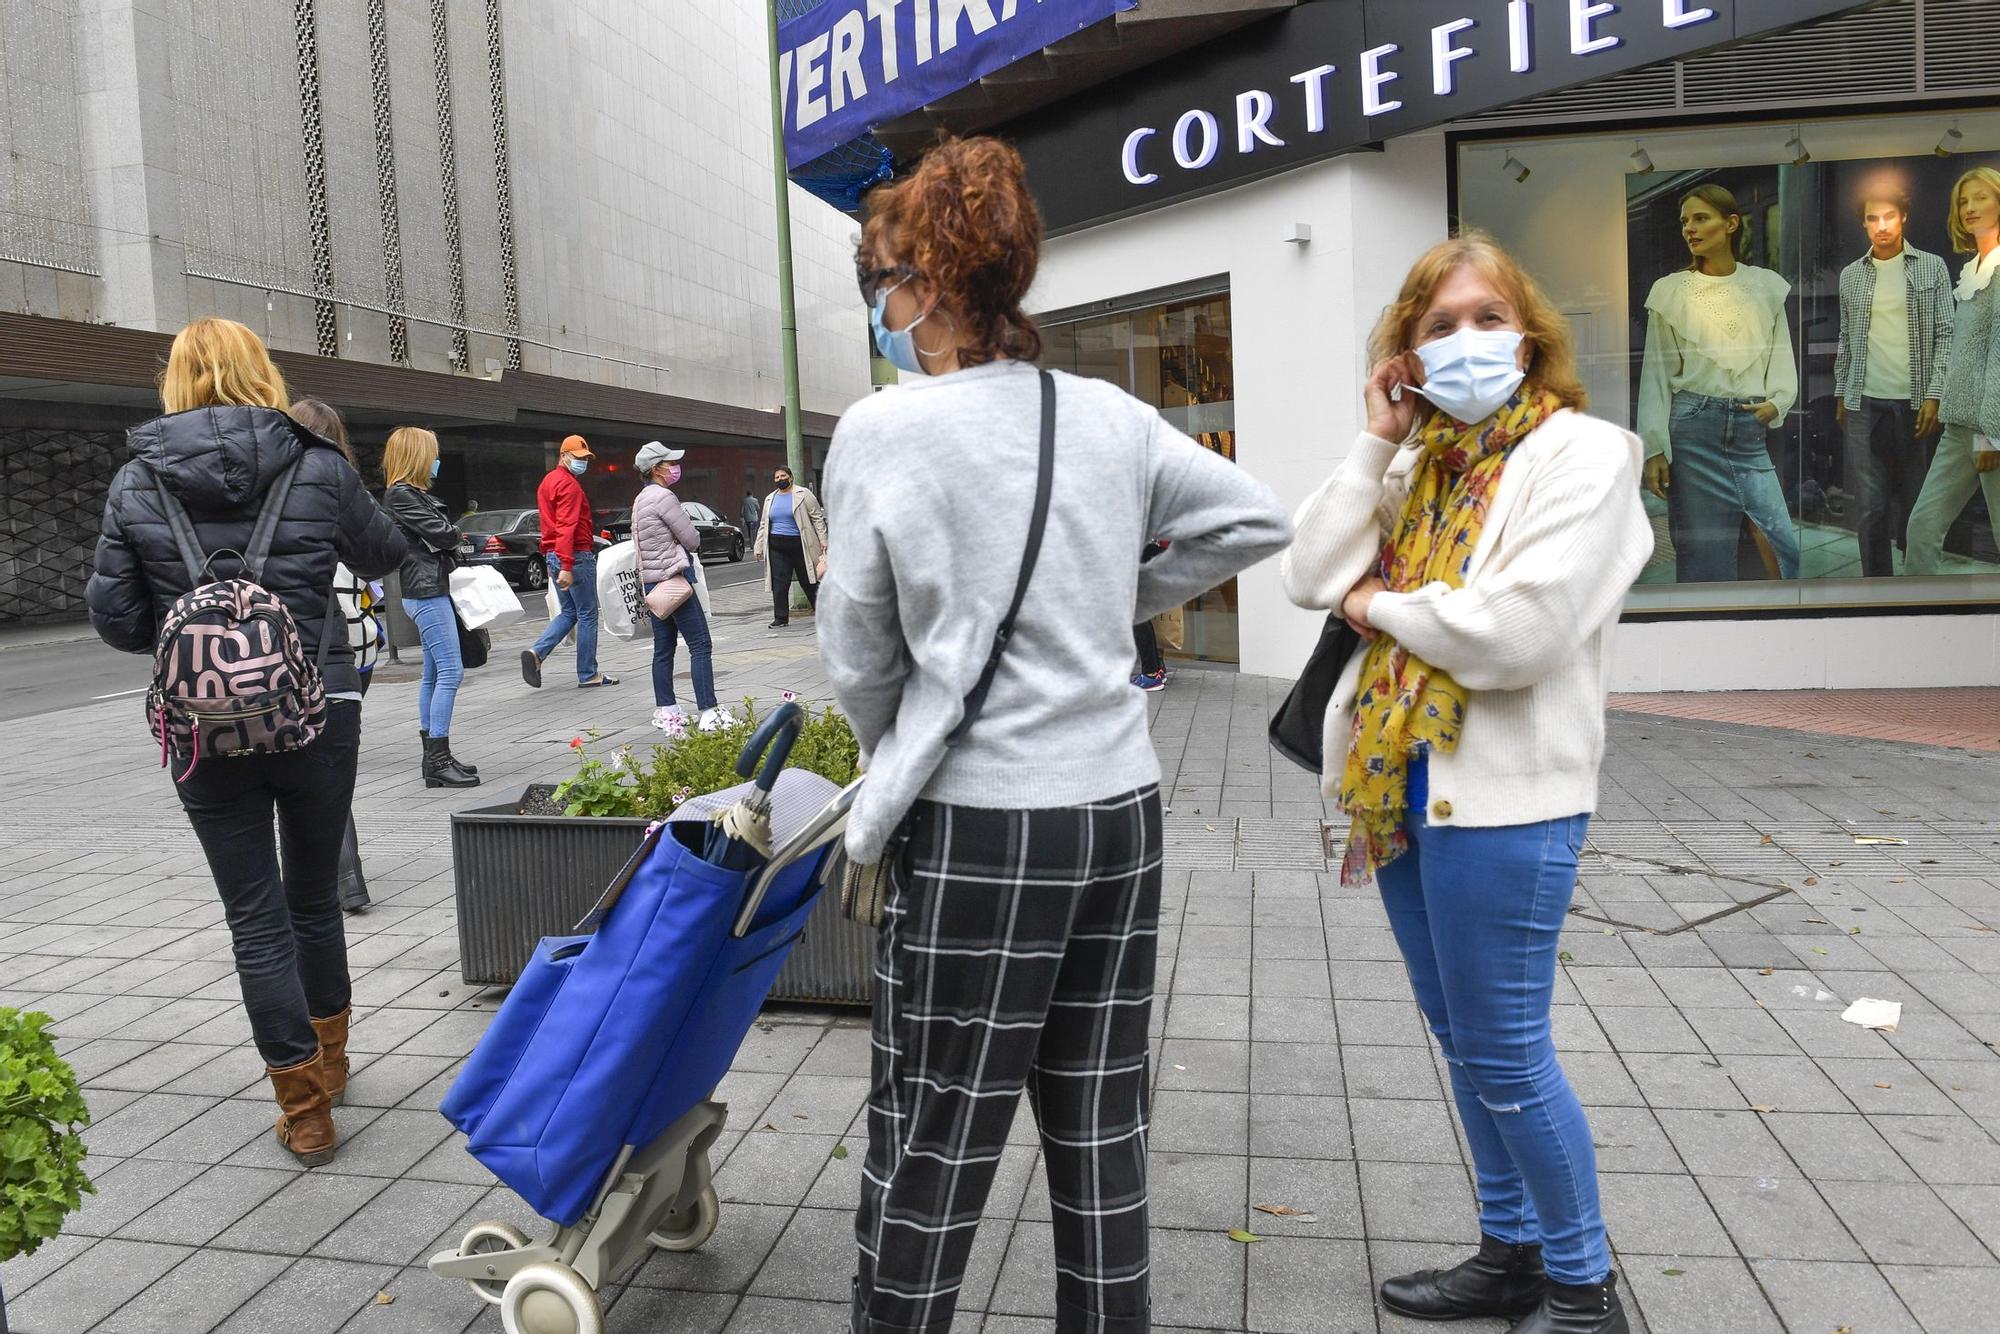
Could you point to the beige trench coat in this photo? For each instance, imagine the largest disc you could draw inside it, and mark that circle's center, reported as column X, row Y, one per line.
column 811, row 519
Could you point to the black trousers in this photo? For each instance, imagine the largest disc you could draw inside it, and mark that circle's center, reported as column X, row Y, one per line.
column 1017, row 953
column 278, row 888
column 1147, row 641
column 1885, row 469
column 788, row 559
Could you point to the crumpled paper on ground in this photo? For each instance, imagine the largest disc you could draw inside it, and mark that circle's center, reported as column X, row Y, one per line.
column 1881, row 1014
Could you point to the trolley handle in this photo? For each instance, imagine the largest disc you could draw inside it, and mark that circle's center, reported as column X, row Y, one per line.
column 772, row 743
column 826, row 826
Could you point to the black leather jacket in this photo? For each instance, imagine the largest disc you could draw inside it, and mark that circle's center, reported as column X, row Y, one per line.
column 434, row 540
column 220, row 462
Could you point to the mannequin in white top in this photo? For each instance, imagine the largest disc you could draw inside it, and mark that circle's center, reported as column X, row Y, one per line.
column 1718, row 374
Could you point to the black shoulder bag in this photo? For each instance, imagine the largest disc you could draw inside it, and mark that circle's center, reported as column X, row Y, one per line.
column 864, row 889
column 1298, row 728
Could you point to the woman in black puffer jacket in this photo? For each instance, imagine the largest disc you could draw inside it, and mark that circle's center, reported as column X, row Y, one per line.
column 409, row 466
column 224, row 441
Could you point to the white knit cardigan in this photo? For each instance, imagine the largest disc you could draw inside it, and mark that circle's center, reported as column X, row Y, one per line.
column 1529, row 634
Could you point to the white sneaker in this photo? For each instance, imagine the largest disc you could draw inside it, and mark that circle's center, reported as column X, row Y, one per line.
column 669, row 717
column 716, row 719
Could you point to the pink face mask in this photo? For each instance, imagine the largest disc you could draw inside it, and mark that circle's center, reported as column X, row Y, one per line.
column 673, row 476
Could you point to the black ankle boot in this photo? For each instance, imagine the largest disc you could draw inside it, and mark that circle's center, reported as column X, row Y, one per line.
column 439, row 771
column 1591, row 1309
column 1502, row 1280
column 472, row 769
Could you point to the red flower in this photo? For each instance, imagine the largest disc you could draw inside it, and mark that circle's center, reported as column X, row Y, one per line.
column 576, row 743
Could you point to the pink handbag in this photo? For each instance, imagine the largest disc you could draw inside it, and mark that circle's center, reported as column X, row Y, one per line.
column 664, row 598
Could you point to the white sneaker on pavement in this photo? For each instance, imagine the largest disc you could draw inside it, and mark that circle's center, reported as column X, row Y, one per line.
column 716, row 719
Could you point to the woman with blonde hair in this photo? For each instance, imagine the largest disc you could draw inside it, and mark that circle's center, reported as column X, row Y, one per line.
column 222, row 446
column 1968, row 455
column 1480, row 537
column 409, row 465
column 1718, row 376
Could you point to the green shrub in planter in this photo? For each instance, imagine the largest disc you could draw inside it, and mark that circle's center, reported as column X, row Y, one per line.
column 41, row 1150
column 627, row 784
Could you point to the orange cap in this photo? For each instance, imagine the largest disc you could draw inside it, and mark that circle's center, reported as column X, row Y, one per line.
column 575, row 444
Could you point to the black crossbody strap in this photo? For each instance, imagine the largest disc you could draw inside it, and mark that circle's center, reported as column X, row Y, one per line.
column 975, row 699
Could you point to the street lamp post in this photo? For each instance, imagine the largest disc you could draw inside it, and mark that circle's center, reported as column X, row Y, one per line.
column 788, row 315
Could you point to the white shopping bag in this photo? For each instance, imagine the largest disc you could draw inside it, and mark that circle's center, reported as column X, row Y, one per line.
column 483, row 599
column 553, row 600
column 700, row 581
column 621, row 607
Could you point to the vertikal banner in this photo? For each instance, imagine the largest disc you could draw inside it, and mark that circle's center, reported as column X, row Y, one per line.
column 851, row 65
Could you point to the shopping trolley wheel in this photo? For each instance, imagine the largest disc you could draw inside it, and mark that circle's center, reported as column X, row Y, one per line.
column 491, row 1238
column 688, row 1230
column 550, row 1299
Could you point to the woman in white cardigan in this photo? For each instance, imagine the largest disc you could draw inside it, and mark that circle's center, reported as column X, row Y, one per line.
column 1483, row 559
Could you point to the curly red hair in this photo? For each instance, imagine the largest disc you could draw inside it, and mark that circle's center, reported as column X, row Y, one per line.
column 964, row 220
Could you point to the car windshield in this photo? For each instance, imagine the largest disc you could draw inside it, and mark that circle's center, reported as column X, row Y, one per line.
column 490, row 521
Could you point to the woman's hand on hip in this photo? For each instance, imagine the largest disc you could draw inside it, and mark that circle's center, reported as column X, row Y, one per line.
column 1659, row 475
column 1766, row 412
column 1354, row 607
column 1986, row 460
column 1390, row 418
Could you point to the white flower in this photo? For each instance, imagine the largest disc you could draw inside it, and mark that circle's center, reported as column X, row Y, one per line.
column 791, row 697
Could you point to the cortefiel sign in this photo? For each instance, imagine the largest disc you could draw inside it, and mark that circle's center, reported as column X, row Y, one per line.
column 851, row 65
column 1333, row 75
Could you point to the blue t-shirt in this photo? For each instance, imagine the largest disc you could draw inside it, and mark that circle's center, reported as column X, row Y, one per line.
column 782, row 522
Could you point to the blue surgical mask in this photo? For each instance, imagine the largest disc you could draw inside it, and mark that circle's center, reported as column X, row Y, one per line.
column 1472, row 373
column 435, row 465
column 898, row 345
column 577, row 465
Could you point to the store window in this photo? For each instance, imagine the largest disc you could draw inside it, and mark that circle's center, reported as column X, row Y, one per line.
column 1770, row 307
column 1176, row 356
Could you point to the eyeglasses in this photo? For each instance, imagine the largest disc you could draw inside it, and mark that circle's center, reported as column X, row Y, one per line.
column 871, row 280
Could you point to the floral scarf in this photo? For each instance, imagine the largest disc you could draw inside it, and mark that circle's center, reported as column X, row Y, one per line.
column 1403, row 703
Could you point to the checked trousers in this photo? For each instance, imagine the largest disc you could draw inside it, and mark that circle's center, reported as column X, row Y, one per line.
column 1017, row 952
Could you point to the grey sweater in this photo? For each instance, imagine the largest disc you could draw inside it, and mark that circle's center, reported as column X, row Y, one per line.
column 1972, row 384
column 934, row 483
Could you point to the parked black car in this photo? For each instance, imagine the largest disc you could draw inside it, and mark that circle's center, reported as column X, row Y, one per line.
column 508, row 540
column 720, row 539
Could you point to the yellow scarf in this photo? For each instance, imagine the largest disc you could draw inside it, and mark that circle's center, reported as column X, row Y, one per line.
column 1404, row 704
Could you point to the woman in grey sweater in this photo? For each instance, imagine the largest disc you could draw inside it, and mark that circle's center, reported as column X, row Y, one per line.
column 665, row 535
column 1968, row 456
column 1018, row 939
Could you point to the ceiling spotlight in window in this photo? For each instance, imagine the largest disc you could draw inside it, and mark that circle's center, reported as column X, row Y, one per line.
column 1950, row 144
column 1796, row 150
column 1514, row 167
column 1642, row 161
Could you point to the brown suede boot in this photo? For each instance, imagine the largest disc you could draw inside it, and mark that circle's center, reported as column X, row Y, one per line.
column 305, row 1116
column 333, row 1054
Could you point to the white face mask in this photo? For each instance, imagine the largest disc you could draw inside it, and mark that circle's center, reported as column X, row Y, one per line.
column 1470, row 374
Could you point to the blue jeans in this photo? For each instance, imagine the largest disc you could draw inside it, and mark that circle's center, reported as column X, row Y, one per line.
column 443, row 669
column 688, row 620
column 1722, row 474
column 1477, row 914
column 579, row 611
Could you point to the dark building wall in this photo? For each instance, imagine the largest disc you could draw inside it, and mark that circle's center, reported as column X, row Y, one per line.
column 56, row 463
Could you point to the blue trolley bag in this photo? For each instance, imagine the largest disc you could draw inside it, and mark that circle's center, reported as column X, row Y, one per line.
column 609, row 1037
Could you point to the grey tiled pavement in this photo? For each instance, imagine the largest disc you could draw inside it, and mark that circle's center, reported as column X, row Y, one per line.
column 1766, row 1166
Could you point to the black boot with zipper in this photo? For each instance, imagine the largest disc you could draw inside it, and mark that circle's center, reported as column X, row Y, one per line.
column 469, row 768
column 1502, row 1280
column 439, row 770
column 1593, row 1308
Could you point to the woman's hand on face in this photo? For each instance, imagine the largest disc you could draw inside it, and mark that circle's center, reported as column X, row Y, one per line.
column 1389, row 419
column 1354, row 607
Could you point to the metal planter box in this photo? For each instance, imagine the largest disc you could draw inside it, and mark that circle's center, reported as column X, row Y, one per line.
column 519, row 877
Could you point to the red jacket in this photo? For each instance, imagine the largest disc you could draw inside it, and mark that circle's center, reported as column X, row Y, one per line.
column 566, row 521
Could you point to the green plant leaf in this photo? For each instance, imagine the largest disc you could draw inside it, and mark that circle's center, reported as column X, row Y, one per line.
column 41, row 1151
column 1243, row 1235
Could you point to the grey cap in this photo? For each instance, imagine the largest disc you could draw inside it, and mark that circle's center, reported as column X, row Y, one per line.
column 652, row 454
